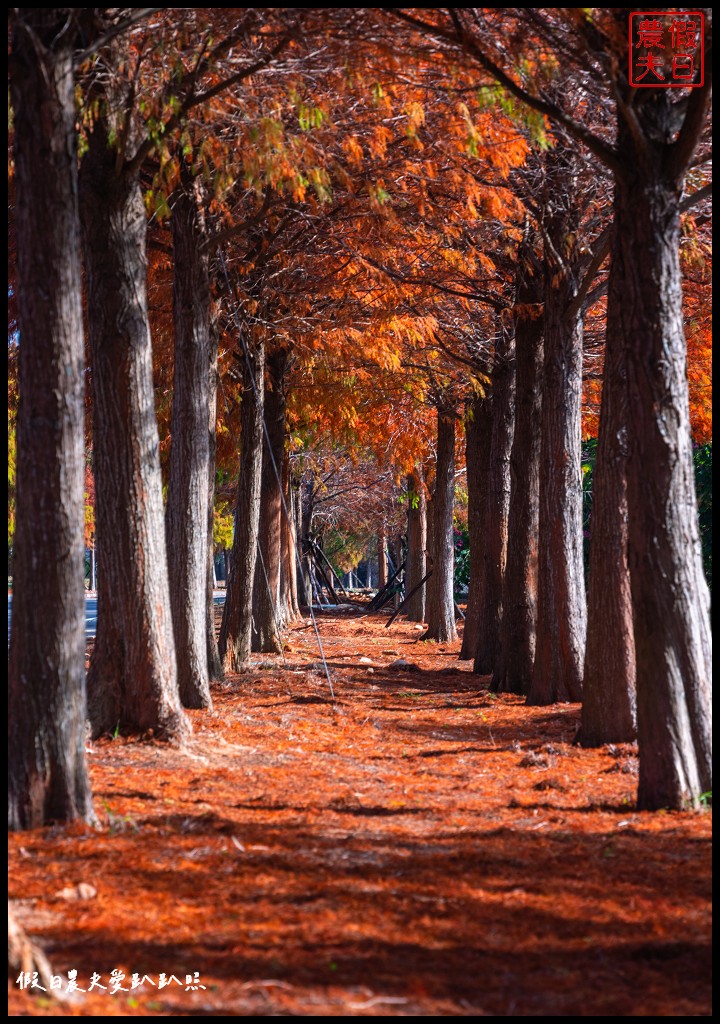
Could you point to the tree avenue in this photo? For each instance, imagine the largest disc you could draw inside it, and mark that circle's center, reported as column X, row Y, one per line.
column 351, row 279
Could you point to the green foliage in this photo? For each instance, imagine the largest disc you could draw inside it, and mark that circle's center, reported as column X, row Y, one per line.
column 412, row 498
column 345, row 551
column 702, row 456
column 378, row 194
column 491, row 96
column 156, row 205
column 462, row 559
column 588, row 457
column 119, row 823
column 320, row 181
column 223, row 525
column 309, row 117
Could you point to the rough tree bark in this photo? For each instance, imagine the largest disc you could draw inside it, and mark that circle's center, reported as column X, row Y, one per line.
column 487, row 649
column 236, row 628
column 609, row 713
column 289, row 607
column 132, row 682
column 382, row 558
column 304, row 593
column 441, row 603
column 671, row 602
column 265, row 607
column 417, row 542
column 47, row 775
column 215, row 667
column 305, row 509
column 187, row 499
column 513, row 672
column 561, row 613
column 657, row 135
column 478, row 437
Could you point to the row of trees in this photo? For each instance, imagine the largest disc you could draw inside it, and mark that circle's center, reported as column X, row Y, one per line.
column 371, row 216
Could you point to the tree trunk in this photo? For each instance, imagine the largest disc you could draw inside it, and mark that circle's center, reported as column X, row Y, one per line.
column 562, row 613
column 609, row 713
column 382, row 559
column 187, row 499
column 306, row 514
column 441, row 603
column 47, row 775
column 417, row 543
column 236, row 628
column 266, row 635
column 487, row 651
column 670, row 598
column 517, row 633
column 397, row 549
column 226, row 565
column 478, row 438
column 215, row 667
column 132, row 682
column 289, row 608
column 303, row 588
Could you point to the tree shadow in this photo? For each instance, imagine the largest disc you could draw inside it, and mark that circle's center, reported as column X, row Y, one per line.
column 513, row 922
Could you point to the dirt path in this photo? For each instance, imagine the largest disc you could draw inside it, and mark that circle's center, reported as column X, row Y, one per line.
column 418, row 848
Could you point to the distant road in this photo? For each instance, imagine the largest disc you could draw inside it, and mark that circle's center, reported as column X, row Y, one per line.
column 91, row 612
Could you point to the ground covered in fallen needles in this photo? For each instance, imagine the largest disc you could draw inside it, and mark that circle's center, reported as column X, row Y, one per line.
column 415, row 847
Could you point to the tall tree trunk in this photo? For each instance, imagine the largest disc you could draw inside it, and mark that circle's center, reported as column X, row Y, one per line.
column 478, row 438
column 382, row 558
column 670, row 597
column 609, row 713
column 266, row 637
column 415, row 569
column 47, row 774
column 226, row 565
column 306, row 515
column 441, row 603
column 289, row 608
column 513, row 672
column 215, row 667
column 398, row 560
column 236, row 628
column 303, row 588
column 487, row 651
column 132, row 682
column 187, row 499
column 562, row 612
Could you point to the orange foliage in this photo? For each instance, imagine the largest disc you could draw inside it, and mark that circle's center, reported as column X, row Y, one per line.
column 696, row 260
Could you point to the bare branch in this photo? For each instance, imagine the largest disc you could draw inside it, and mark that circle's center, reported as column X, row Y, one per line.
column 606, row 154
column 193, row 99
column 122, row 26
column 602, row 249
column 682, row 150
column 697, row 197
